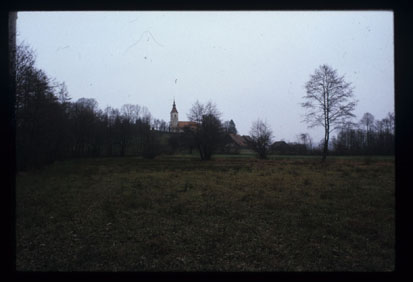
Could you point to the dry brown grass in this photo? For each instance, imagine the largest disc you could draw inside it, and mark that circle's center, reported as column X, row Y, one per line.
column 177, row 214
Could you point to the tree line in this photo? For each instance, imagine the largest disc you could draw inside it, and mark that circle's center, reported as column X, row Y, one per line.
column 368, row 137
column 49, row 126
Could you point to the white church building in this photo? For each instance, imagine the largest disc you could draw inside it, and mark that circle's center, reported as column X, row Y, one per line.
column 178, row 126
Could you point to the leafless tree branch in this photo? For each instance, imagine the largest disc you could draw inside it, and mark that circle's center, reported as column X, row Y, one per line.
column 328, row 102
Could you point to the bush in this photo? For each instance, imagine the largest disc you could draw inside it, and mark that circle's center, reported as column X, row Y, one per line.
column 152, row 146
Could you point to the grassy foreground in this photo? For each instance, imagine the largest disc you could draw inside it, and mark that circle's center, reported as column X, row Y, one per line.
column 181, row 214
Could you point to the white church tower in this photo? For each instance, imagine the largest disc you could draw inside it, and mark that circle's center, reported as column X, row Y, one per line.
column 174, row 118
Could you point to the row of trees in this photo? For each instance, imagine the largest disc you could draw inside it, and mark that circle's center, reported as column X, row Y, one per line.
column 368, row 137
column 49, row 126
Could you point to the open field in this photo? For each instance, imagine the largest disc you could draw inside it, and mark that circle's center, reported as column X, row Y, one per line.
column 228, row 214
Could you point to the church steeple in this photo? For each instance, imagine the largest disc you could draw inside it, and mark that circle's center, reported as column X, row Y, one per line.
column 174, row 108
column 174, row 118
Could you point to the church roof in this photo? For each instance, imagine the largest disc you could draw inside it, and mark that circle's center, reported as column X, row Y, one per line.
column 182, row 124
column 174, row 108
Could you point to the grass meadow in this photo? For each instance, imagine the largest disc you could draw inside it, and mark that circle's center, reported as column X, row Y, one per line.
column 227, row 214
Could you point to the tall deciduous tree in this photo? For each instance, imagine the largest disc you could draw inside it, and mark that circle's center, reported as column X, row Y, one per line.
column 261, row 138
column 305, row 139
column 367, row 121
column 207, row 135
column 329, row 102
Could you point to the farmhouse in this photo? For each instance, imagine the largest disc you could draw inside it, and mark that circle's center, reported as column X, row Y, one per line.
column 178, row 126
column 234, row 143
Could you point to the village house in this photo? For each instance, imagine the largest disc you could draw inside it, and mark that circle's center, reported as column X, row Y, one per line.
column 234, row 143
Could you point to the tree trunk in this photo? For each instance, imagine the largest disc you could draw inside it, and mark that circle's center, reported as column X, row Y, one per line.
column 326, row 137
column 325, row 149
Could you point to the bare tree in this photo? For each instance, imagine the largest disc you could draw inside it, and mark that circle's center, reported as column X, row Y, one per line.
column 145, row 115
column 207, row 136
column 163, row 125
column 198, row 111
column 305, row 139
column 62, row 93
column 329, row 102
column 131, row 112
column 261, row 138
column 388, row 123
column 368, row 122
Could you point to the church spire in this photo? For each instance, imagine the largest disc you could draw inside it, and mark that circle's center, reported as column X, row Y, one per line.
column 174, row 107
column 174, row 118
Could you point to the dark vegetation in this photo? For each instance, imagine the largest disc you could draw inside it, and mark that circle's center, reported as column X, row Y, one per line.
column 369, row 137
column 352, row 139
column 261, row 138
column 228, row 214
column 50, row 127
column 114, row 190
column 207, row 137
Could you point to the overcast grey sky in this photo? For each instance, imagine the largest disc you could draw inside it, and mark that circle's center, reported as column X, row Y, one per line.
column 251, row 64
